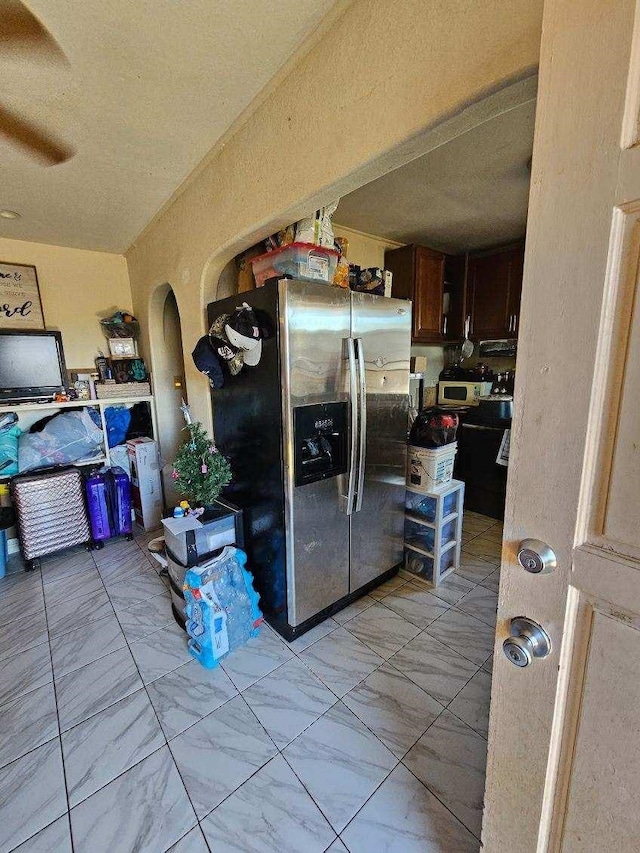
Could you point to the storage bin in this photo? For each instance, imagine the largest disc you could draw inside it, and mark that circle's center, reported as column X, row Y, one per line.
column 423, row 565
column 122, row 389
column 448, row 533
column 190, row 540
column 424, row 537
column 424, row 506
column 304, row 261
column 429, row 469
column 419, row 535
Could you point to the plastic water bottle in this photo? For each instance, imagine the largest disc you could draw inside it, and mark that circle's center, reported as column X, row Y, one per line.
column 222, row 606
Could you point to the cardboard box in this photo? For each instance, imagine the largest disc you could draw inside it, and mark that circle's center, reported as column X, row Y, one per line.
column 146, row 486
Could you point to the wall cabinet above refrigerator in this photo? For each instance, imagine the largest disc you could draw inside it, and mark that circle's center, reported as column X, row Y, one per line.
column 434, row 282
column 494, row 286
column 446, row 289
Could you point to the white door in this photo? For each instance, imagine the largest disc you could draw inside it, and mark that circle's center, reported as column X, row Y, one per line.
column 564, row 738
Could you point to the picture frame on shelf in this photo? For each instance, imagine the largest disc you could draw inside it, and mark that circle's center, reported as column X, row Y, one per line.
column 20, row 303
column 122, row 348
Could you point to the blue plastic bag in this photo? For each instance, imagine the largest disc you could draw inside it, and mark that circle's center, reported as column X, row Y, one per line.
column 118, row 419
column 9, row 450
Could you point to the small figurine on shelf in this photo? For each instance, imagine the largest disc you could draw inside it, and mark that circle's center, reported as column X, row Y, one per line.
column 200, row 471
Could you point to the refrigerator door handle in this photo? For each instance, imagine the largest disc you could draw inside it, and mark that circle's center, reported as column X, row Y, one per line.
column 353, row 396
column 362, row 407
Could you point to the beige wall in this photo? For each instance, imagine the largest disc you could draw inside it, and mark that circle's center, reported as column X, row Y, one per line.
column 169, row 415
column 365, row 250
column 435, row 361
column 387, row 83
column 77, row 289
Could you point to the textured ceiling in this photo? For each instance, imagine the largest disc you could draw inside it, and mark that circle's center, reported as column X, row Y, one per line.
column 469, row 193
column 151, row 85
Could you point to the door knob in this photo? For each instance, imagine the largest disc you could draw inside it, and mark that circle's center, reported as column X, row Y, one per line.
column 527, row 641
column 536, row 557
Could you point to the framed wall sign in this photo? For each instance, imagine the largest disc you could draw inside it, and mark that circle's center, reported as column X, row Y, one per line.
column 20, row 306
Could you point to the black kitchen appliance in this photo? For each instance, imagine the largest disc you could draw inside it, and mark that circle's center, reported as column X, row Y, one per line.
column 479, row 438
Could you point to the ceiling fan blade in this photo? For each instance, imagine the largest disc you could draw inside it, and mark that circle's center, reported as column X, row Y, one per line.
column 40, row 144
column 20, row 30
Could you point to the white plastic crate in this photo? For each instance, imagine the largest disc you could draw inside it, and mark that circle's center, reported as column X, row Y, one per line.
column 430, row 469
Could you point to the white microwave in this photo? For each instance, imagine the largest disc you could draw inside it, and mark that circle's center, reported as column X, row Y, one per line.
column 462, row 393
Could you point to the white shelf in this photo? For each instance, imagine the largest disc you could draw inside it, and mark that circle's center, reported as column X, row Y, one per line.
column 71, row 404
column 100, row 405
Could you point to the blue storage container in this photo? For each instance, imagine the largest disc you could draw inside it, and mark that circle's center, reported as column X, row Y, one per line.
column 423, row 565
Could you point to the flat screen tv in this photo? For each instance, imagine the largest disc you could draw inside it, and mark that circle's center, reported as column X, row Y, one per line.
column 32, row 366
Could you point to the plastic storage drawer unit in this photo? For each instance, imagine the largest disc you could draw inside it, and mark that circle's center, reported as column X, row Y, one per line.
column 423, row 507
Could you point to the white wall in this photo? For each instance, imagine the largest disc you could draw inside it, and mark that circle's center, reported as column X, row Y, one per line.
column 435, row 361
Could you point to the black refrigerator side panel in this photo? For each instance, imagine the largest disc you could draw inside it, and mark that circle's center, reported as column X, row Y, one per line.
column 247, row 414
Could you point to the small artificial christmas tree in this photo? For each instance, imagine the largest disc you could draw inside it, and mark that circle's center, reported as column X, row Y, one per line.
column 200, row 472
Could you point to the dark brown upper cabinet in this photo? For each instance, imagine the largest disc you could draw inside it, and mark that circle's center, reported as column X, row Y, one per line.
column 435, row 284
column 494, row 285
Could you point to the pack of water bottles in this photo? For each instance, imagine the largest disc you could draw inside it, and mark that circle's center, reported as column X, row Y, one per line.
column 222, row 606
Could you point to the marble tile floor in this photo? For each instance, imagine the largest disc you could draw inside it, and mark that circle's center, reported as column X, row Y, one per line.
column 367, row 734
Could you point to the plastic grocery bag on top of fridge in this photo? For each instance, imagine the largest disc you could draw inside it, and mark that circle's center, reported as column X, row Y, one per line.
column 317, row 228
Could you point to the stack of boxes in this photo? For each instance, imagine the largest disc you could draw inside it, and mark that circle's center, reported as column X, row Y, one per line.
column 143, row 466
column 191, row 542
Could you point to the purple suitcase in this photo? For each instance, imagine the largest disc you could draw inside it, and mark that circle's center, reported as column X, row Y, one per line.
column 109, row 503
column 119, row 490
column 98, row 505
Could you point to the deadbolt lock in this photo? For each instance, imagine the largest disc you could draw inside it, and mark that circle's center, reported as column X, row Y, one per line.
column 527, row 641
column 536, row 557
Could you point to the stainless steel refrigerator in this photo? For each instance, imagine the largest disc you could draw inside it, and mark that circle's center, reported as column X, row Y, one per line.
column 316, row 436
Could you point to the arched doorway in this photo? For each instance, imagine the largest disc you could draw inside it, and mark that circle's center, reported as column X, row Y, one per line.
column 169, row 382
